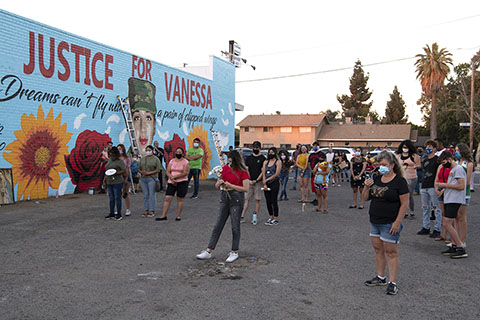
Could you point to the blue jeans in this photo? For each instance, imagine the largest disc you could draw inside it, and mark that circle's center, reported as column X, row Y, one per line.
column 429, row 197
column 295, row 175
column 344, row 172
column 419, row 180
column 195, row 173
column 148, row 187
column 283, row 181
column 229, row 206
column 115, row 195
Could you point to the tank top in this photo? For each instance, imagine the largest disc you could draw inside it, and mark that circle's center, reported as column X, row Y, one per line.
column 409, row 166
column 176, row 168
column 270, row 170
column 443, row 174
column 302, row 159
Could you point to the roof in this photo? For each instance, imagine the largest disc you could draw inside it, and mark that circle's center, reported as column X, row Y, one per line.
column 282, row 120
column 365, row 132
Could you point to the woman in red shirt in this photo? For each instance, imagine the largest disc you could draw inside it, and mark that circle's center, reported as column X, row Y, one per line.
column 235, row 183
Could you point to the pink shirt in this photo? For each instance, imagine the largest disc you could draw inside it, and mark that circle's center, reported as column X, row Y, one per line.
column 409, row 166
column 176, row 168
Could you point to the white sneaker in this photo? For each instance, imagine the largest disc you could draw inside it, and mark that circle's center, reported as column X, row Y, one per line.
column 232, row 256
column 128, row 212
column 204, row 255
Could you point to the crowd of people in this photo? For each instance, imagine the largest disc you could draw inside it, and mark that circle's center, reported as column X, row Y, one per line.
column 442, row 177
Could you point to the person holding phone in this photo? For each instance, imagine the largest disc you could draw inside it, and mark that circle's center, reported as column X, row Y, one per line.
column 389, row 196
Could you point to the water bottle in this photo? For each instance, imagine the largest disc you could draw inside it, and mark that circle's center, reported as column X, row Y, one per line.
column 254, row 219
column 303, row 207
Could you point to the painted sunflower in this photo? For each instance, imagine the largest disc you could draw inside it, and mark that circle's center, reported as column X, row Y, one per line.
column 38, row 154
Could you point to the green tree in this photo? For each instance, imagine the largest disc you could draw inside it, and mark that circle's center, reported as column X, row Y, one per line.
column 237, row 137
column 332, row 115
column 432, row 67
column 395, row 110
column 355, row 105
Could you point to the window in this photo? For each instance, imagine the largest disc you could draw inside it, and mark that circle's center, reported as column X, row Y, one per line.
column 267, row 145
column 286, row 146
column 267, row 129
column 246, row 129
column 389, row 144
column 249, row 129
column 285, row 129
column 305, row 129
column 347, row 143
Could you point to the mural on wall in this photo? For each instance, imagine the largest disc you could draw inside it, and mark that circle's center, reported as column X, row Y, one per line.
column 6, row 187
column 37, row 156
column 76, row 82
column 84, row 163
column 198, row 132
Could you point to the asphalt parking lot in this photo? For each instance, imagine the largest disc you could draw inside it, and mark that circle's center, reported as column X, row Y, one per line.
column 59, row 259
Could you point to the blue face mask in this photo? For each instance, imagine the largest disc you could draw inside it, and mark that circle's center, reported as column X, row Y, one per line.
column 357, row 153
column 458, row 155
column 428, row 150
column 383, row 170
column 195, row 144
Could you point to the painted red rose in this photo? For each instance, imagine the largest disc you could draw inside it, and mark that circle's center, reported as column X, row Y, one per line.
column 171, row 146
column 84, row 163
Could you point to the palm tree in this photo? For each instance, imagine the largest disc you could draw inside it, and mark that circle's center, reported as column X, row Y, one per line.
column 432, row 67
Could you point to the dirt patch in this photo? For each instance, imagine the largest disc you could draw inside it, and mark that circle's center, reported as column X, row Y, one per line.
column 222, row 270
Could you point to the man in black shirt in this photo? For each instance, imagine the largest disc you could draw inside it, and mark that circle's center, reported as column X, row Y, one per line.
column 254, row 163
column 427, row 192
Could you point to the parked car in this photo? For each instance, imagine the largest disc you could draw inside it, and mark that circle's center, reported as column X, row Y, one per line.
column 349, row 152
column 375, row 153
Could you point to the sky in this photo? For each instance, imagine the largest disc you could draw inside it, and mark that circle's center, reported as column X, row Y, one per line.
column 281, row 39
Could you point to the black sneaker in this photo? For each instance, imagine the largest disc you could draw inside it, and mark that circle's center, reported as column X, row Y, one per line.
column 435, row 234
column 461, row 253
column 242, row 219
column 118, row 217
column 376, row 282
column 423, row 231
column 450, row 250
column 314, row 202
column 194, row 197
column 391, row 288
column 110, row 216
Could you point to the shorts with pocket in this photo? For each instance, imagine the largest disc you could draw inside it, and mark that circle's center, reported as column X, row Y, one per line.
column 255, row 190
column 382, row 231
column 180, row 188
column 305, row 173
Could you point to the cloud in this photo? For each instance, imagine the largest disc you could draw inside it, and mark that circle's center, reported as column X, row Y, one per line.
column 163, row 135
column 230, row 109
column 185, row 129
column 225, row 122
column 63, row 186
column 108, row 130
column 121, row 136
column 113, row 118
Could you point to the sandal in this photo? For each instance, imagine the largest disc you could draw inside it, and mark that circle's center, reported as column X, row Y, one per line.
column 145, row 214
column 325, row 211
column 151, row 215
column 440, row 238
column 301, row 201
column 317, row 210
column 352, row 206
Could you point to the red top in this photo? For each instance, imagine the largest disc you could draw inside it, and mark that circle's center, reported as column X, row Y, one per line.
column 443, row 174
column 229, row 175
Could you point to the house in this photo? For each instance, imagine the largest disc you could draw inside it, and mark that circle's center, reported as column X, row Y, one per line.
column 281, row 130
column 365, row 135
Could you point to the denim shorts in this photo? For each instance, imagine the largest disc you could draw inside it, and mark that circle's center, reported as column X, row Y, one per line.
column 306, row 173
column 467, row 202
column 382, row 231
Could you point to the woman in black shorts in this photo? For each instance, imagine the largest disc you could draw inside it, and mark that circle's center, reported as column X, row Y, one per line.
column 357, row 181
column 177, row 173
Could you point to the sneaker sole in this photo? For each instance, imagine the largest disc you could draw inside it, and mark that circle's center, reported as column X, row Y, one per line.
column 392, row 293
column 465, row 255
column 380, row 284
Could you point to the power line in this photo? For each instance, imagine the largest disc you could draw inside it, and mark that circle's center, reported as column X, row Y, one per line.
column 338, row 69
column 322, row 71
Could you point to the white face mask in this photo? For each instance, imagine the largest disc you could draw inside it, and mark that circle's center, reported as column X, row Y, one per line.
column 134, row 159
column 405, row 150
column 148, row 153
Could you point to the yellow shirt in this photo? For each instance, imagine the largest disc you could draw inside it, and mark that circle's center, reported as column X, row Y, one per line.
column 302, row 159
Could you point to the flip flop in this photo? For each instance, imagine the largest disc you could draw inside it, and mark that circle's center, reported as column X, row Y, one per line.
column 317, row 210
column 325, row 211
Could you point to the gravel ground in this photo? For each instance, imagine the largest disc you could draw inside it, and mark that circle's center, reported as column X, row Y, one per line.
column 59, row 259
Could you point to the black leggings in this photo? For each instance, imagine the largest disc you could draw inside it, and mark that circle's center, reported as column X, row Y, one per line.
column 271, row 197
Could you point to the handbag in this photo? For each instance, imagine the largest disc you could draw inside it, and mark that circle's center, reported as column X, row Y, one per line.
column 157, row 184
column 342, row 165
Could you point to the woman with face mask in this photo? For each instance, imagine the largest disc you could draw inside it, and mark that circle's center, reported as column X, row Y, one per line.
column 177, row 173
column 357, row 174
column 408, row 157
column 234, row 183
column 284, row 173
column 149, row 168
column 114, row 183
column 271, row 184
column 465, row 159
column 389, row 195
column 304, row 173
column 126, row 186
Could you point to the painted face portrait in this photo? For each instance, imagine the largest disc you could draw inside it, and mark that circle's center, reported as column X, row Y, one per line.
column 144, row 124
column 141, row 95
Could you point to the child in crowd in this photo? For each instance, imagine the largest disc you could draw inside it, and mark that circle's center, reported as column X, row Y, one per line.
column 322, row 176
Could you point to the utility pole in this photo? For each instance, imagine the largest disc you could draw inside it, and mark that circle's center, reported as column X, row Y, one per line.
column 475, row 59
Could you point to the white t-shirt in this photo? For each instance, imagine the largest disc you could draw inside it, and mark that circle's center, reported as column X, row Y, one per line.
column 454, row 195
column 330, row 156
column 438, row 153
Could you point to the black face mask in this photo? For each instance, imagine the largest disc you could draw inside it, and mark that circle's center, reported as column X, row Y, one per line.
column 447, row 165
column 255, row 151
column 271, row 156
column 178, row 155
